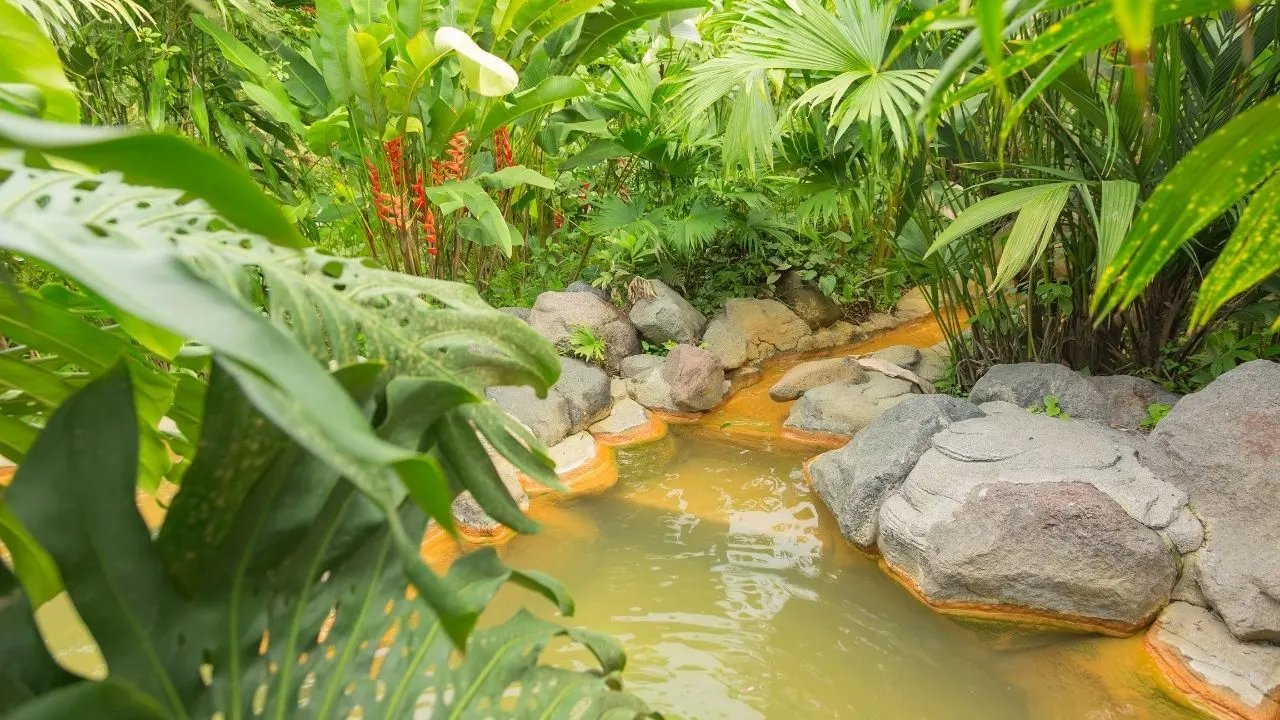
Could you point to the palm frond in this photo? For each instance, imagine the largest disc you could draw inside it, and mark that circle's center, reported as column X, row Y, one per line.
column 58, row 18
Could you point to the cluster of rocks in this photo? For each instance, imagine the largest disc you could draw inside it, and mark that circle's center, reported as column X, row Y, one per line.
column 984, row 507
column 840, row 396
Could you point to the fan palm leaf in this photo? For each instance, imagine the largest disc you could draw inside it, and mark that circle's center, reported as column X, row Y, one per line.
column 850, row 43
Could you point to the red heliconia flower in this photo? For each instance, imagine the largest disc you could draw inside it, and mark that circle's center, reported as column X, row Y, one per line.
column 429, row 230
column 502, row 157
column 439, row 173
column 457, row 164
column 394, row 150
column 308, row 9
column 582, row 194
column 624, row 192
column 557, row 218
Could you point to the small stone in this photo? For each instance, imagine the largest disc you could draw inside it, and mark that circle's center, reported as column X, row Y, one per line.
column 1185, row 532
column 627, row 415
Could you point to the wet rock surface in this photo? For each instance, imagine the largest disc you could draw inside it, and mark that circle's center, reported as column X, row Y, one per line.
column 1230, row 677
column 807, row 301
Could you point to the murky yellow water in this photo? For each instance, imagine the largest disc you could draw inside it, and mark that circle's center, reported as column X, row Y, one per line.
column 736, row 598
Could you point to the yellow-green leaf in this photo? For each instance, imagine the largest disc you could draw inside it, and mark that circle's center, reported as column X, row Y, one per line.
column 1250, row 256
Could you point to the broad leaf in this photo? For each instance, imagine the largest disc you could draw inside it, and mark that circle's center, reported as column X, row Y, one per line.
column 546, row 93
column 28, row 58
column 162, row 161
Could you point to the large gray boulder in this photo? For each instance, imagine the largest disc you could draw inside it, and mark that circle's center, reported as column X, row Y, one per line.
column 803, row 297
column 854, row 480
column 637, row 365
column 1060, row 549
column 1213, row 667
column 809, row 375
column 1027, row 384
column 667, row 317
column 1064, row 511
column 844, row 408
column 695, row 378
column 580, row 397
column 1225, row 439
column 556, row 314
column 1128, row 399
column 519, row 313
column 650, row 389
column 749, row 330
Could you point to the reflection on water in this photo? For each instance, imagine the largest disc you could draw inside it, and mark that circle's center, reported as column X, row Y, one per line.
column 736, row 598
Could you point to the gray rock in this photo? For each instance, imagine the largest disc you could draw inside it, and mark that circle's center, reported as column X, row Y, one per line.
column 618, row 390
column 579, row 398
column 808, row 375
column 749, row 330
column 1213, row 666
column 1226, row 441
column 816, row 309
column 586, row 287
column 1128, row 398
column 586, row 391
column 904, row 356
column 934, row 362
column 637, row 365
column 854, row 480
column 667, row 317
column 517, row 312
column 1060, row 548
column 1188, row 587
column 547, row 418
column 1025, row 448
column 556, row 314
column 695, row 378
column 1185, row 532
column 651, row 390
column 995, row 407
column 1027, row 384
column 847, row 407
column 626, row 415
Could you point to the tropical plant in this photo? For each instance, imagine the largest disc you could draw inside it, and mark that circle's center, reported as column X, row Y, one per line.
column 848, row 48
column 584, row 343
column 273, row 585
column 195, row 298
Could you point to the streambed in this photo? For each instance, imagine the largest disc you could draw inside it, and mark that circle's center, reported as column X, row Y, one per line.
column 736, row 597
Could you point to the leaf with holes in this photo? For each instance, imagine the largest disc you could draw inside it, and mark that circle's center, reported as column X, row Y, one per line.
column 274, row 587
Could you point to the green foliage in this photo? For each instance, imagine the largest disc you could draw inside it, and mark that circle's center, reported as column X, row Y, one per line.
column 1050, row 406
column 584, row 344
column 1155, row 413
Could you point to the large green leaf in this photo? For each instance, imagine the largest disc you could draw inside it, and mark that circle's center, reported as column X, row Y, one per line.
column 1031, row 232
column 1119, row 200
column 158, row 160
column 552, row 90
column 992, row 208
column 1216, row 175
column 300, row 610
column 28, row 58
column 1250, row 256
column 605, row 28
column 26, row 668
